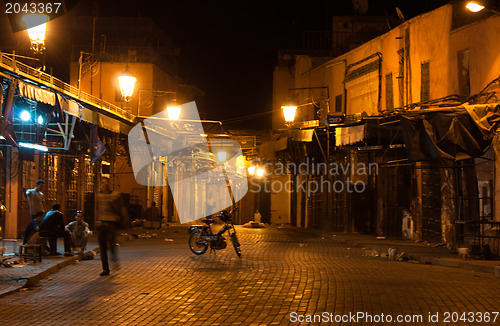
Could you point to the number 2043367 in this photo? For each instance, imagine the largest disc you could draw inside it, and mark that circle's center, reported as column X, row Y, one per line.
column 32, row 7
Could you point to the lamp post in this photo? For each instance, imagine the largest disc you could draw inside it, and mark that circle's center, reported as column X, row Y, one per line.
column 288, row 110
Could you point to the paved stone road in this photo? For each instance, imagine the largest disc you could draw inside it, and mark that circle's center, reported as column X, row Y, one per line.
column 282, row 277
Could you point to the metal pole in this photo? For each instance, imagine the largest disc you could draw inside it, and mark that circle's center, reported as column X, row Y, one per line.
column 80, row 74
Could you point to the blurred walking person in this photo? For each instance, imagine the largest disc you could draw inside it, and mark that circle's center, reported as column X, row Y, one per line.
column 111, row 211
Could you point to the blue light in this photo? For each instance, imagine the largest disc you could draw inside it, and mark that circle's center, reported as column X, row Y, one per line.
column 40, row 120
column 25, row 115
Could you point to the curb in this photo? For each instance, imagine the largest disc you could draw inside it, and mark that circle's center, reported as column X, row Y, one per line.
column 436, row 259
column 33, row 280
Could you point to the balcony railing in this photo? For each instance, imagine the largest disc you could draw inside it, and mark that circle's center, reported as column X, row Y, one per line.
column 49, row 81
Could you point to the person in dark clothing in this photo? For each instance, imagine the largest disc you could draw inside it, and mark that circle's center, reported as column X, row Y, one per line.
column 52, row 226
column 32, row 228
column 111, row 211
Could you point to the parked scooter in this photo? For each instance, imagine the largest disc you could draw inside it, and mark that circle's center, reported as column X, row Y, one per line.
column 201, row 236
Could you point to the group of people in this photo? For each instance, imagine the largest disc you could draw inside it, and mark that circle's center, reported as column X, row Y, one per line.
column 111, row 212
column 51, row 225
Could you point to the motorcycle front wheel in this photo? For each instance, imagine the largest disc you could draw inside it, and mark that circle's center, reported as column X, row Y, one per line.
column 236, row 244
column 197, row 245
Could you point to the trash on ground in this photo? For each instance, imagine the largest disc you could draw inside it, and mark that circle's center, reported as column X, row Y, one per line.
column 169, row 240
column 403, row 257
column 371, row 253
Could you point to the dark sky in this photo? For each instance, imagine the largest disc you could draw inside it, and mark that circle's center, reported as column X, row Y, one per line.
column 228, row 48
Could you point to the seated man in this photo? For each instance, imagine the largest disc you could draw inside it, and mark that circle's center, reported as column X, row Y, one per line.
column 31, row 235
column 52, row 226
column 79, row 231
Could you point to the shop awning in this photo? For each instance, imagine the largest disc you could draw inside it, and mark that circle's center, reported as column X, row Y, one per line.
column 442, row 134
column 303, row 135
column 36, row 93
column 349, row 135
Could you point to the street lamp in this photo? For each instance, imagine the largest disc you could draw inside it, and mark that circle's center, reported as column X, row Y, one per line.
column 289, row 113
column 36, row 26
column 127, row 84
column 476, row 6
column 174, row 112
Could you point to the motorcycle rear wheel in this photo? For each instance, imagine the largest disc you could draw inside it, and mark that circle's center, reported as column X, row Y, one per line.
column 196, row 244
column 236, row 244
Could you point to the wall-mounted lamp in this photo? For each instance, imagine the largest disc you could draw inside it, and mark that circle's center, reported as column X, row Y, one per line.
column 36, row 25
column 174, row 112
column 127, row 84
column 477, row 6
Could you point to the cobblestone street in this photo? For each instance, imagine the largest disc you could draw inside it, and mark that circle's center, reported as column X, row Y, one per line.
column 283, row 277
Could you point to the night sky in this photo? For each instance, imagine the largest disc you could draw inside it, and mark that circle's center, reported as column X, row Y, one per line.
column 228, row 48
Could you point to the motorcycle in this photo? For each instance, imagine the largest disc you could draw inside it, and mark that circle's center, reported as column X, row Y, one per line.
column 201, row 236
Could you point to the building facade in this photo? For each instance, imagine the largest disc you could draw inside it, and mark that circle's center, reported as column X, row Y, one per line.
column 429, row 70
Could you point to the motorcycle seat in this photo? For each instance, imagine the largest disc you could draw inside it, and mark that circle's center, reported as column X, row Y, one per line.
column 207, row 220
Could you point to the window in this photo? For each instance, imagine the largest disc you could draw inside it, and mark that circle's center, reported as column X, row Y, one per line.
column 424, row 82
column 338, row 103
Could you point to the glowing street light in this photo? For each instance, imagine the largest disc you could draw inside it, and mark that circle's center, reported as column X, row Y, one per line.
column 289, row 113
column 174, row 112
column 127, row 84
column 474, row 6
column 259, row 172
column 36, row 26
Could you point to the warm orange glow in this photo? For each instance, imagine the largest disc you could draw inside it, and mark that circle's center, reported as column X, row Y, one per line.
column 289, row 112
column 36, row 26
column 174, row 112
column 127, row 84
column 474, row 6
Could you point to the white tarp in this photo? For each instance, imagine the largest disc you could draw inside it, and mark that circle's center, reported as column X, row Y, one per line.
column 36, row 93
column 349, row 135
column 70, row 106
